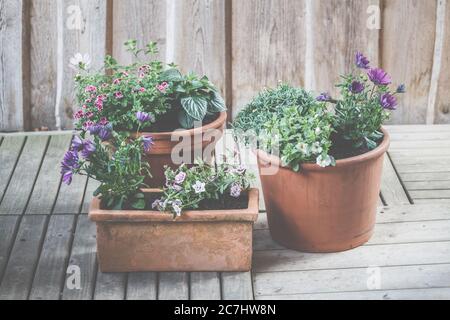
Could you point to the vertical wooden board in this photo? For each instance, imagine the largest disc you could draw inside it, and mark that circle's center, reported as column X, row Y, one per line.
column 205, row 286
column 22, row 181
column 43, row 57
column 391, row 187
column 408, row 40
column 173, row 286
column 47, row 184
column 82, row 258
column 442, row 111
column 269, row 44
column 19, row 273
column 70, row 198
column 83, row 30
column 12, row 51
column 237, row 286
column 50, row 271
column 110, row 286
column 142, row 286
column 197, row 38
column 8, row 225
column 92, row 185
column 340, row 30
column 142, row 20
column 9, row 154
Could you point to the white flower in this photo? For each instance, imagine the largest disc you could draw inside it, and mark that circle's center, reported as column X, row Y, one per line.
column 304, row 148
column 80, row 61
column 176, row 205
column 199, row 187
column 316, row 148
column 318, row 131
column 324, row 161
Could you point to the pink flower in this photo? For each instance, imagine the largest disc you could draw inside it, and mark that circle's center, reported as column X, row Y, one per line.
column 142, row 89
column 88, row 100
column 117, row 81
column 118, row 95
column 84, row 106
column 89, row 114
column 91, row 89
column 105, row 85
column 88, row 124
column 126, row 74
column 79, row 114
column 162, row 87
column 103, row 121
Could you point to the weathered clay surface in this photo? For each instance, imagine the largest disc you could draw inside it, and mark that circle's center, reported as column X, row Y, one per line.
column 215, row 240
column 324, row 209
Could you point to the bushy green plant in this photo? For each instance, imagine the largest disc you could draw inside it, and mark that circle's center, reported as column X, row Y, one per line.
column 187, row 187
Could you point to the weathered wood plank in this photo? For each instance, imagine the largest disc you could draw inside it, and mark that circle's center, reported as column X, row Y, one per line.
column 415, row 145
column 421, row 167
column 420, row 136
column 70, row 198
column 442, row 107
column 430, row 194
column 258, row 39
column 402, row 294
column 173, row 286
column 16, row 196
column 361, row 257
column 92, row 185
column 8, row 226
column 13, row 50
column 9, row 154
column 418, row 19
column 110, row 286
column 142, row 20
column 50, row 271
column 19, row 272
column 205, row 286
column 354, row 279
column 427, row 185
column 47, row 184
column 425, row 176
column 391, row 187
column 142, row 286
column 237, row 286
column 385, row 233
column 83, row 258
column 417, row 128
column 437, row 159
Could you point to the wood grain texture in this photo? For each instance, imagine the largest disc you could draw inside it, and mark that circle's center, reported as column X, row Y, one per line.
column 8, row 225
column 12, row 65
column 269, row 45
column 142, row 20
column 110, row 286
column 442, row 108
column 142, row 286
column 198, row 39
column 50, row 271
column 391, row 187
column 173, row 286
column 408, row 55
column 70, row 198
column 237, row 286
column 19, row 273
column 205, row 286
column 9, row 154
column 21, row 185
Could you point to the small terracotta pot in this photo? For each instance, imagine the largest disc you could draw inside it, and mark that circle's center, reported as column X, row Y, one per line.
column 193, row 141
column 209, row 240
column 323, row 209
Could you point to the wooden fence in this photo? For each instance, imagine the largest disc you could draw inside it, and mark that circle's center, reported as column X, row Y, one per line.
column 242, row 45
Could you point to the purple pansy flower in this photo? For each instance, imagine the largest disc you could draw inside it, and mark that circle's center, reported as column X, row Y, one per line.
column 180, row 177
column 356, row 87
column 95, row 129
column 361, row 61
column 379, row 77
column 235, row 190
column 401, row 88
column 69, row 163
column 104, row 133
column 147, row 142
column 388, row 101
column 323, row 97
column 88, row 149
column 143, row 116
column 77, row 143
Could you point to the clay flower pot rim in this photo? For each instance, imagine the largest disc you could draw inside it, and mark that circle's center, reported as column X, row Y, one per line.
column 248, row 214
column 218, row 123
column 377, row 152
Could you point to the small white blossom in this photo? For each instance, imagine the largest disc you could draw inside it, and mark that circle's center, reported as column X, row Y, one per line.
column 80, row 61
column 316, row 148
column 318, row 131
column 324, row 161
column 304, row 148
column 199, row 187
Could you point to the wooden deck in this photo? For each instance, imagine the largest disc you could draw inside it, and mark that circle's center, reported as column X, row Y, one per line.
column 45, row 232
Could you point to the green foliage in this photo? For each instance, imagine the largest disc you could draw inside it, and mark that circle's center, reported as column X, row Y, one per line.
column 187, row 187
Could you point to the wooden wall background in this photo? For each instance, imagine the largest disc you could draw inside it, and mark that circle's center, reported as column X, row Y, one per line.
column 243, row 45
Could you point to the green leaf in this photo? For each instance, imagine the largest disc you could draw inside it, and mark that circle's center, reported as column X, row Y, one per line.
column 171, row 75
column 139, row 204
column 195, row 107
column 97, row 191
column 185, row 120
column 217, row 104
column 139, row 196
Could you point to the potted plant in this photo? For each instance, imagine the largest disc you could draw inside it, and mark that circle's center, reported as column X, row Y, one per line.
column 323, row 193
column 149, row 98
column 202, row 220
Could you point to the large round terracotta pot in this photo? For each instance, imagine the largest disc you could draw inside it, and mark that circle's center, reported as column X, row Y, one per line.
column 194, row 142
column 323, row 209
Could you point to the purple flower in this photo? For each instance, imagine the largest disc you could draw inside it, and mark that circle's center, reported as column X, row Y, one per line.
column 143, row 116
column 235, row 190
column 95, row 129
column 68, row 165
column 179, row 178
column 67, row 176
column 147, row 142
column 176, row 187
column 356, row 87
column 88, row 149
column 401, row 88
column 157, row 204
column 388, row 101
column 77, row 143
column 323, row 97
column 199, row 187
column 361, row 61
column 379, row 77
column 104, row 133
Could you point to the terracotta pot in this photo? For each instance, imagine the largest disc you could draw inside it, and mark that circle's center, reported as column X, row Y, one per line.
column 194, row 142
column 210, row 240
column 323, row 209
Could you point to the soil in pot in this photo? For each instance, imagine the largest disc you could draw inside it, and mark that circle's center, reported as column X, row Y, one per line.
column 343, row 149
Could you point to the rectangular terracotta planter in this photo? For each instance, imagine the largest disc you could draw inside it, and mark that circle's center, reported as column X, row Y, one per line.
column 210, row 240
